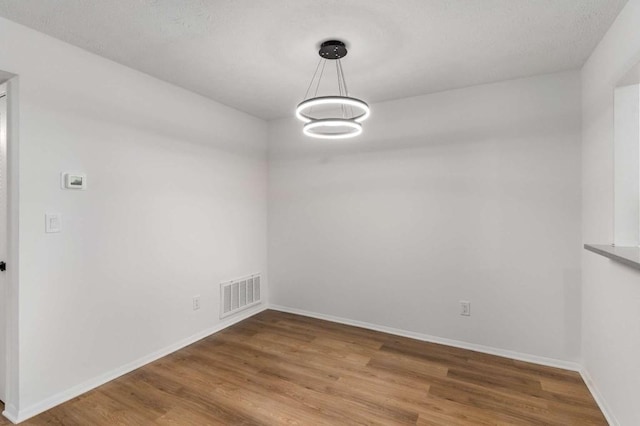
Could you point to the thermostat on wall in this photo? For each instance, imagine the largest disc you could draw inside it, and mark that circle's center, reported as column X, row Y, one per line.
column 74, row 181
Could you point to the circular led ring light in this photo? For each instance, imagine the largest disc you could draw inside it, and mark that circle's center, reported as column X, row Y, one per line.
column 355, row 128
column 332, row 100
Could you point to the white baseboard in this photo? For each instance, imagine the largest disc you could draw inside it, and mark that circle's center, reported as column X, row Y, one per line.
column 11, row 413
column 17, row 416
column 535, row 359
column 604, row 407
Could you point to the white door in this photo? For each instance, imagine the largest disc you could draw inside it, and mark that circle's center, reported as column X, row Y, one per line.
column 3, row 237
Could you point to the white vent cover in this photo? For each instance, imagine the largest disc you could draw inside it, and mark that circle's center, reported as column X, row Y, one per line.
column 239, row 294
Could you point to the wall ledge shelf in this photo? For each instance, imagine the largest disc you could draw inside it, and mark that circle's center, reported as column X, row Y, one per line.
column 629, row 256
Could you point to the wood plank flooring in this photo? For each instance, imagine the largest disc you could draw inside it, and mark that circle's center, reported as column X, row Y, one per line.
column 282, row 369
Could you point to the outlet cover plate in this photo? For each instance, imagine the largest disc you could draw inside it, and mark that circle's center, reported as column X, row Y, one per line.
column 465, row 308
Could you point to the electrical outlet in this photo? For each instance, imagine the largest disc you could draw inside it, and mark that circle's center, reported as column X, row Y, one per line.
column 465, row 308
column 196, row 303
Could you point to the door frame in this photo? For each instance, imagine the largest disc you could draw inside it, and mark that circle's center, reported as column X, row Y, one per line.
column 11, row 290
column 4, row 240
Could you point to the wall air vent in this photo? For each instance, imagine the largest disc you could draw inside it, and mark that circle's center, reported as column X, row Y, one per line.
column 239, row 294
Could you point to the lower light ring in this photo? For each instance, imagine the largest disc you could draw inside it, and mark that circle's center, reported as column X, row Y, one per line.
column 333, row 122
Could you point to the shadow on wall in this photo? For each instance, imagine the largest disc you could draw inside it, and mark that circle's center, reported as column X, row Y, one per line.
column 179, row 120
column 490, row 113
column 373, row 142
column 4, row 76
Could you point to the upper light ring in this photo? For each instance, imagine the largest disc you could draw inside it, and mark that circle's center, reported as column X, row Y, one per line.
column 306, row 105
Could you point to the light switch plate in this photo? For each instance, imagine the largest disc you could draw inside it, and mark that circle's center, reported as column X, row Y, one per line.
column 52, row 223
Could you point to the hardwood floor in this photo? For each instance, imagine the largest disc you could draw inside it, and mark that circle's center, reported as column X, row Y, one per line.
column 278, row 368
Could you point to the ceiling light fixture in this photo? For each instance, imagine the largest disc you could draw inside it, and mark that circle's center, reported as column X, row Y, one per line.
column 336, row 116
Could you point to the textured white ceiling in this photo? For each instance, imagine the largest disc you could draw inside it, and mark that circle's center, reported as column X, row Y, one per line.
column 259, row 55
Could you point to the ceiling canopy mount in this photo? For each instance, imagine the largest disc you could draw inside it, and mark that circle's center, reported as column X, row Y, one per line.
column 332, row 49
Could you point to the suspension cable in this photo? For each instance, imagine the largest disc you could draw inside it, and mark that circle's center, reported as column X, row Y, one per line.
column 312, row 78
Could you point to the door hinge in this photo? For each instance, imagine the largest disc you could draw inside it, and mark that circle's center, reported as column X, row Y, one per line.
column 3, row 266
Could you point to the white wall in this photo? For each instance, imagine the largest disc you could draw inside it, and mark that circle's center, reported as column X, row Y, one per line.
column 176, row 203
column 611, row 291
column 626, row 158
column 471, row 194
